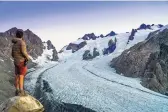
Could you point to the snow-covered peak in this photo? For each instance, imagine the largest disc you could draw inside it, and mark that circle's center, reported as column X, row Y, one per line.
column 121, row 42
column 148, row 26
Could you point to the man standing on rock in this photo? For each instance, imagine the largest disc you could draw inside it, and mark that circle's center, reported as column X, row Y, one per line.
column 20, row 56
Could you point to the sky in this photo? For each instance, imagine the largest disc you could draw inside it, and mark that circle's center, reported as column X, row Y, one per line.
column 65, row 22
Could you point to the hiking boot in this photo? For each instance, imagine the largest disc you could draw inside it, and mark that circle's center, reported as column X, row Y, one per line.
column 17, row 92
column 22, row 93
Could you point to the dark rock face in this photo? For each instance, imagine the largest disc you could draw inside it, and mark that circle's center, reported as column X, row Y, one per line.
column 111, row 47
column 87, row 54
column 112, row 33
column 95, row 53
column 89, row 36
column 34, row 44
column 131, row 37
column 147, row 60
column 76, row 47
column 144, row 27
column 10, row 32
column 160, row 25
column 101, row 35
column 50, row 45
column 55, row 53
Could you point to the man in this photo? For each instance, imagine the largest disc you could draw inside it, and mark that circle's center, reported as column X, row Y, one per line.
column 20, row 56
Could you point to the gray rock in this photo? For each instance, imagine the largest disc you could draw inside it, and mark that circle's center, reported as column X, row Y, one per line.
column 55, row 55
column 112, row 33
column 147, row 60
column 101, row 35
column 131, row 37
column 95, row 53
column 76, row 47
column 87, row 55
column 89, row 36
column 50, row 45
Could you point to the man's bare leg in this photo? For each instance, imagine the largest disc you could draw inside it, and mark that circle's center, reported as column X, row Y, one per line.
column 21, row 85
column 17, row 84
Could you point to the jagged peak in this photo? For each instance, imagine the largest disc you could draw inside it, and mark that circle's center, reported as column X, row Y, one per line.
column 28, row 31
column 50, row 45
column 13, row 29
column 112, row 33
column 148, row 26
column 89, row 36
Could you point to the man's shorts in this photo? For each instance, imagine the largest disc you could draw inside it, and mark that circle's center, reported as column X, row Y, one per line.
column 20, row 69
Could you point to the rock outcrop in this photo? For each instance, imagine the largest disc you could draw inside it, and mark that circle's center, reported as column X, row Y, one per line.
column 89, row 36
column 112, row 33
column 144, row 27
column 147, row 60
column 111, row 47
column 55, row 55
column 101, row 35
column 88, row 55
column 148, row 26
column 131, row 37
column 76, row 47
column 50, row 46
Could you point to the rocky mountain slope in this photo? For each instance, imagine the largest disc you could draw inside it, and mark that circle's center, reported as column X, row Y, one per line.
column 35, row 49
column 147, row 60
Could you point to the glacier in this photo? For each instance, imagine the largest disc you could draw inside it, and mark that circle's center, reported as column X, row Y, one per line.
column 94, row 84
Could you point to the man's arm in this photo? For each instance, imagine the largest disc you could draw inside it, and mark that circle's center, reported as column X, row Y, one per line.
column 24, row 50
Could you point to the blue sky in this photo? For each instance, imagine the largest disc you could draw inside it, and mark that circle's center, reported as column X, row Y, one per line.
column 63, row 22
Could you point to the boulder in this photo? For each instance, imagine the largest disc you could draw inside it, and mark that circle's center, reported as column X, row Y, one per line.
column 21, row 104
